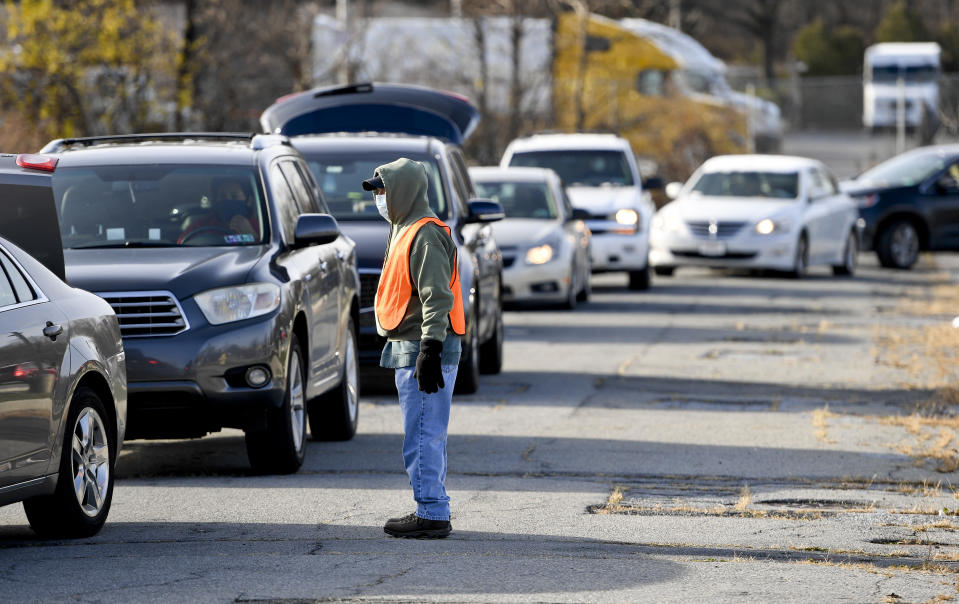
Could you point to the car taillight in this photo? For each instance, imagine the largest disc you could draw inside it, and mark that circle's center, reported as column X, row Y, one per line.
column 35, row 161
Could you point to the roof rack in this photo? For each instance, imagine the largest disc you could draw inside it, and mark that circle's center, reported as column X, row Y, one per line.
column 92, row 141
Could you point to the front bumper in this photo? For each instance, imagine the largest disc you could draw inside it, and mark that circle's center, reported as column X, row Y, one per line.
column 549, row 282
column 612, row 251
column 775, row 252
column 194, row 382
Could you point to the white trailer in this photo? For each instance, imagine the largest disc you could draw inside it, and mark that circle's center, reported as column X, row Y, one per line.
column 900, row 83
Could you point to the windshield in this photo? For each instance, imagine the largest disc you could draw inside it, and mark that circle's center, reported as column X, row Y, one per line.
column 520, row 199
column 585, row 168
column 340, row 177
column 913, row 74
column 777, row 185
column 904, row 170
column 159, row 206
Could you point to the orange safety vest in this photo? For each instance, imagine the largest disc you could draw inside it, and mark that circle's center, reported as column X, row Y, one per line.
column 396, row 288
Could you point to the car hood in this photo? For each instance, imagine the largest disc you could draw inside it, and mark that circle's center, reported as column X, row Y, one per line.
column 369, row 107
column 370, row 237
column 522, row 232
column 604, row 200
column 731, row 209
column 182, row 271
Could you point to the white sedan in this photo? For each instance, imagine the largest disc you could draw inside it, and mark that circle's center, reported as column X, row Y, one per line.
column 757, row 212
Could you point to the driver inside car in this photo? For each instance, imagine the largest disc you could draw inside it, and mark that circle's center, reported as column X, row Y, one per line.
column 230, row 213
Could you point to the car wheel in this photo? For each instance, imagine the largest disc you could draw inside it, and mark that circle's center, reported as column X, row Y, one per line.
column 81, row 502
column 587, row 290
column 664, row 271
column 898, row 245
column 801, row 262
column 850, row 255
column 467, row 377
column 639, row 280
column 281, row 448
column 335, row 415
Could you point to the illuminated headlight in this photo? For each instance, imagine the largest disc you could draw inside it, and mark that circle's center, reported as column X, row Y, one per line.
column 627, row 217
column 769, row 226
column 541, row 254
column 228, row 304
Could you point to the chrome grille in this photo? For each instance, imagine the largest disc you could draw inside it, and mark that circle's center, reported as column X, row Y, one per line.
column 723, row 229
column 147, row 314
column 368, row 285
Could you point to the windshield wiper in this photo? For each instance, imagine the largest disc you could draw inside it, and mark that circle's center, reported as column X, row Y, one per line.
column 127, row 244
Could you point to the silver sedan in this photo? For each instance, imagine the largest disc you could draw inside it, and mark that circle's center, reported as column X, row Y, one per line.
column 544, row 241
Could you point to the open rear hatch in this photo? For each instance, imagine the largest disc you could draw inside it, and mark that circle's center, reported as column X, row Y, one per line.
column 396, row 108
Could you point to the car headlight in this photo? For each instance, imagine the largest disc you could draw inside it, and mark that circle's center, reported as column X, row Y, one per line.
column 670, row 223
column 228, row 304
column 541, row 254
column 769, row 226
column 866, row 201
column 627, row 217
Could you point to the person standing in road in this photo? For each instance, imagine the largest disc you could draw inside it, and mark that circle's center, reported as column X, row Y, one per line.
column 419, row 309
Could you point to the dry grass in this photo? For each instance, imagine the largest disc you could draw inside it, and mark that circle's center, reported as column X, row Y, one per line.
column 819, row 423
column 745, row 498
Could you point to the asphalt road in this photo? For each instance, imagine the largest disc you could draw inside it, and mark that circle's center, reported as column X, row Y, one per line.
column 719, row 438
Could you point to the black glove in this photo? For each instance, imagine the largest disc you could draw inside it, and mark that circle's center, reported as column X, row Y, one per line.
column 429, row 372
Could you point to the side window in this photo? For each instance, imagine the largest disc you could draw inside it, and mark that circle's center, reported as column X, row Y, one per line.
column 307, row 175
column 816, row 186
column 567, row 204
column 459, row 166
column 949, row 181
column 828, row 181
column 13, row 287
column 301, row 192
column 286, row 209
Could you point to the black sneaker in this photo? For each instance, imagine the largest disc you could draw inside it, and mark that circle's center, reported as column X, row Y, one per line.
column 414, row 527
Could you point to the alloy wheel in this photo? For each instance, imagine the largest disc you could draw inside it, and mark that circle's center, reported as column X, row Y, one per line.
column 297, row 410
column 91, row 462
column 352, row 378
column 905, row 244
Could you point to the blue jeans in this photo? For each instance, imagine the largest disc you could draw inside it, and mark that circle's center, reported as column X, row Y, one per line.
column 426, row 419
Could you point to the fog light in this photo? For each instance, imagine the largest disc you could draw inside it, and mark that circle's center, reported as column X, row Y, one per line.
column 257, row 376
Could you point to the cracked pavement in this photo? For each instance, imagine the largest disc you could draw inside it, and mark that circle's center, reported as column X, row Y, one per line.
column 717, row 438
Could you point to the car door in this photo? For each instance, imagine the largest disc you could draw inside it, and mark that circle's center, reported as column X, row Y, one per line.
column 309, row 264
column 941, row 197
column 575, row 232
column 30, row 364
column 818, row 214
column 480, row 242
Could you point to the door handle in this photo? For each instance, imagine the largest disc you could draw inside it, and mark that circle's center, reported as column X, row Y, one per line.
column 52, row 330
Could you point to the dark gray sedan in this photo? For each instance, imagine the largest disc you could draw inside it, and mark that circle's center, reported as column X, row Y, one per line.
column 62, row 398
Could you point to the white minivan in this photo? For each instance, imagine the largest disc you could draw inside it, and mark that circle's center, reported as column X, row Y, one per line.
column 916, row 66
column 602, row 178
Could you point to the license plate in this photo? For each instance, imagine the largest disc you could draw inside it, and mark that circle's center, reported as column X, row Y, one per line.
column 712, row 248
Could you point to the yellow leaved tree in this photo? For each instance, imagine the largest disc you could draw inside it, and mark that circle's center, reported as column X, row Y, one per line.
column 83, row 67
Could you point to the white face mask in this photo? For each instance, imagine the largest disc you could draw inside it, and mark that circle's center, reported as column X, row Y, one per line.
column 381, row 206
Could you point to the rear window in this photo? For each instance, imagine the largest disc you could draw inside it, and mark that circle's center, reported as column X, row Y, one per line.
column 587, row 168
column 340, row 177
column 520, row 199
column 159, row 206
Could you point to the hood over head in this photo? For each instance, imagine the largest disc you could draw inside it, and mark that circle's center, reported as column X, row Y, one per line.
column 405, row 182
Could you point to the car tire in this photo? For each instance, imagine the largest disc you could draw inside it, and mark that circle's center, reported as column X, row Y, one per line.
column 571, row 296
column 898, row 245
column 850, row 254
column 664, row 271
column 88, row 456
column 801, row 261
column 281, row 448
column 639, row 280
column 335, row 415
column 587, row 290
column 491, row 351
column 467, row 376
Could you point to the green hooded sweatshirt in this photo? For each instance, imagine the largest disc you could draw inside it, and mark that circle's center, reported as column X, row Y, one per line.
column 432, row 255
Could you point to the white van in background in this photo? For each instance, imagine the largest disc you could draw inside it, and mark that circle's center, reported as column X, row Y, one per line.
column 917, row 64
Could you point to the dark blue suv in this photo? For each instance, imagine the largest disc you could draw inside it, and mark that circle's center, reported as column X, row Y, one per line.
column 236, row 294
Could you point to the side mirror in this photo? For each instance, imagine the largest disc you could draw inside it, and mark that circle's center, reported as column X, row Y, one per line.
column 581, row 214
column 653, row 182
column 315, row 229
column 484, row 210
column 673, row 189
